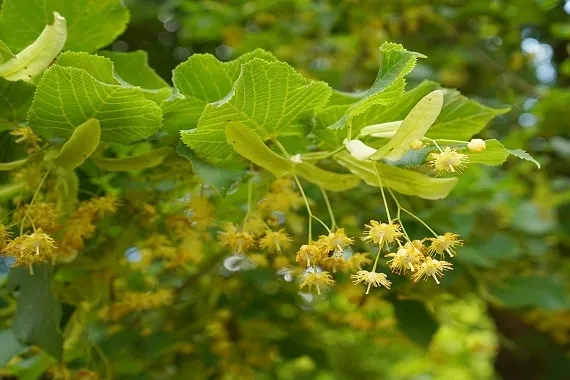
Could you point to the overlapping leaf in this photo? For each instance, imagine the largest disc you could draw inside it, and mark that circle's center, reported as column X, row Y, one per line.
column 15, row 99
column 268, row 97
column 92, row 24
column 396, row 63
column 202, row 79
column 66, row 97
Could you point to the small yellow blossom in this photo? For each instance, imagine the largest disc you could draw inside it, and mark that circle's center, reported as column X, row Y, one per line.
column 416, row 144
column 255, row 225
column 358, row 260
column 382, row 233
column 201, row 212
column 26, row 136
column 335, row 241
column 30, row 249
column 334, row 264
column 106, row 205
column 371, row 279
column 4, row 235
column 448, row 161
column 40, row 215
column 431, row 268
column 310, row 254
column 476, row 145
column 238, row 241
column 445, row 243
column 319, row 280
column 275, row 241
column 407, row 257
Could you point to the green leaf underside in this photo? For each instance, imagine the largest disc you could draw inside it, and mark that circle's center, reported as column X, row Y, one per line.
column 11, row 346
column 403, row 181
column 66, row 97
column 133, row 68
column 222, row 178
column 408, row 313
column 326, row 179
column 524, row 155
column 139, row 162
column 267, row 97
column 29, row 326
column 249, row 145
column 544, row 292
column 396, row 63
column 414, row 127
column 92, row 24
column 460, row 117
column 202, row 79
column 15, row 99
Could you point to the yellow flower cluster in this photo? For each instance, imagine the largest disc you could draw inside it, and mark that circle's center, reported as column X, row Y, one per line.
column 282, row 196
column 136, row 301
column 39, row 215
column 240, row 240
column 201, row 213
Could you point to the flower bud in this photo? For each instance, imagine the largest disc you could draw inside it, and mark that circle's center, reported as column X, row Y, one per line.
column 476, row 145
column 416, row 144
column 359, row 150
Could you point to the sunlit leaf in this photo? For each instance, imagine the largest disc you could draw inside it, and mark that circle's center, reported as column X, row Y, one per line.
column 524, row 155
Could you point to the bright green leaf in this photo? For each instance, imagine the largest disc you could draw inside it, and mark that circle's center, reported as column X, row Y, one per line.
column 92, row 24
column 202, row 79
column 268, row 98
column 222, row 178
column 401, row 180
column 100, row 68
column 396, row 63
column 249, row 145
column 414, row 127
column 30, row 326
column 524, row 155
column 36, row 57
column 5, row 52
column 67, row 97
column 326, row 179
column 493, row 155
column 133, row 68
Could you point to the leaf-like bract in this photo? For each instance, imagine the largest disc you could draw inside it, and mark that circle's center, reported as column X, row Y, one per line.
column 35, row 58
column 82, row 143
column 137, row 162
column 326, row 179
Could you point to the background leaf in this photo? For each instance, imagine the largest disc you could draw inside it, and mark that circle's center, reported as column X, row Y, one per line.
column 546, row 292
column 11, row 346
column 415, row 321
column 15, row 99
column 29, row 326
column 524, row 155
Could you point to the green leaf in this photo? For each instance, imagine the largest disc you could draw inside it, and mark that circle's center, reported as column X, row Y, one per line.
column 36, row 57
column 401, row 180
column 524, row 155
column 100, row 68
column 5, row 52
column 490, row 252
column 267, row 97
column 139, row 162
column 222, row 178
column 415, row 321
column 11, row 346
column 396, row 63
column 546, row 292
column 202, row 79
column 82, row 143
column 494, row 154
column 249, row 145
column 133, row 68
column 15, row 100
column 328, row 180
column 30, row 326
column 67, row 97
column 414, row 127
column 329, row 139
column 345, row 98
column 91, row 24
column 33, row 368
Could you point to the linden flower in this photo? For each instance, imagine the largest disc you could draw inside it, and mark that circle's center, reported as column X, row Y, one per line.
column 371, row 279
column 101, row 206
column 431, row 268
column 334, row 263
column 235, row 239
column 448, row 161
column 310, row 254
column 201, row 212
column 445, row 243
column 358, row 260
column 335, row 241
column 319, row 280
column 42, row 215
column 255, row 226
column 30, row 249
column 4, row 235
column 382, row 233
column 27, row 136
column 476, row 145
column 274, row 241
column 405, row 258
